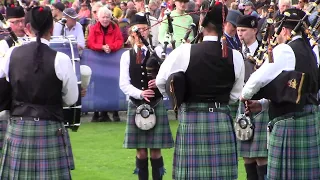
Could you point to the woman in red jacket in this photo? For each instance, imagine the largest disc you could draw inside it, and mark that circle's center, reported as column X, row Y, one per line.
column 105, row 35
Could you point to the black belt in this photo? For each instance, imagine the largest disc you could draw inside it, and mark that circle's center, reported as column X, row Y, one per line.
column 212, row 107
column 15, row 118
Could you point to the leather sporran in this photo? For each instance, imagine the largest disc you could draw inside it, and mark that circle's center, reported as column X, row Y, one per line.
column 244, row 129
column 145, row 118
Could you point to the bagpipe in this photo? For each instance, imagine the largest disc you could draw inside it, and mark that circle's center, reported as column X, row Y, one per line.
column 145, row 118
column 288, row 86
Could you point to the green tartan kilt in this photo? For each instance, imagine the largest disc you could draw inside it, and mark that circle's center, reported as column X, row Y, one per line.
column 205, row 146
column 257, row 147
column 159, row 137
column 294, row 146
column 35, row 150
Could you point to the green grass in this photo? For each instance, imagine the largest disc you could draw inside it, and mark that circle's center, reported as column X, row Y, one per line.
column 98, row 153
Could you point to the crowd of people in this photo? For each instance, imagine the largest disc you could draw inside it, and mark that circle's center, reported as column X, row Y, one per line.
column 213, row 80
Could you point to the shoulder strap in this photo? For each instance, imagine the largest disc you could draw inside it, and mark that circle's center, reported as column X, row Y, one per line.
column 9, row 40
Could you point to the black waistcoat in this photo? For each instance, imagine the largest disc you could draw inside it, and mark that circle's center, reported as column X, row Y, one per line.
column 306, row 63
column 209, row 77
column 5, row 94
column 139, row 78
column 35, row 94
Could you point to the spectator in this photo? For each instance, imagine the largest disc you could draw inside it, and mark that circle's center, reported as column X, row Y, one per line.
column 139, row 5
column 195, row 17
column 57, row 9
column 283, row 5
column 116, row 11
column 72, row 27
column 123, row 7
column 154, row 9
column 250, row 10
column 84, row 11
column 103, row 2
column 130, row 13
column 234, row 6
column 2, row 9
column 301, row 4
column 95, row 8
column 67, row 4
column 130, row 5
column 181, row 23
column 262, row 23
column 105, row 36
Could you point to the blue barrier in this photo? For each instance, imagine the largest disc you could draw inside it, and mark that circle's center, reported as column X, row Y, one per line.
column 103, row 93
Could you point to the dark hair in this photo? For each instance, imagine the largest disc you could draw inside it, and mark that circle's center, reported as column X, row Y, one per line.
column 41, row 21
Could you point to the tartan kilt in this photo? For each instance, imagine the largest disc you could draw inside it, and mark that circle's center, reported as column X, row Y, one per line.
column 159, row 137
column 294, row 151
column 4, row 116
column 70, row 153
column 234, row 109
column 35, row 150
column 205, row 146
column 257, row 147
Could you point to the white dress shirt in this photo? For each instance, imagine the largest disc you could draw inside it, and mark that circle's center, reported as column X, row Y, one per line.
column 76, row 31
column 4, row 47
column 124, row 80
column 252, row 48
column 284, row 59
column 178, row 60
column 63, row 69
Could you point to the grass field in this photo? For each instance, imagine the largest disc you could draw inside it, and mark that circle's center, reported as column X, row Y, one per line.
column 98, row 153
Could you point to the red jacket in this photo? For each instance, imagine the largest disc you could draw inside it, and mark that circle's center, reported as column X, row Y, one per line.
column 97, row 38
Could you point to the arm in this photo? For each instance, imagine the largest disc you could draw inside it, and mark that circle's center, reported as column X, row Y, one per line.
column 191, row 34
column 91, row 40
column 4, row 64
column 65, row 73
column 118, row 39
column 284, row 59
column 57, row 29
column 177, row 61
column 80, row 36
column 124, row 79
column 239, row 69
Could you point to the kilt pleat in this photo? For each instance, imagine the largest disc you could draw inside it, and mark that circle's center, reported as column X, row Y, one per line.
column 205, row 146
column 35, row 150
column 159, row 137
column 70, row 153
column 294, row 148
column 257, row 147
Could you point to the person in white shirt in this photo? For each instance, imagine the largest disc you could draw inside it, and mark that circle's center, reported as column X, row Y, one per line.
column 71, row 27
column 42, row 81
column 254, row 152
column 205, row 146
column 136, row 83
column 293, row 144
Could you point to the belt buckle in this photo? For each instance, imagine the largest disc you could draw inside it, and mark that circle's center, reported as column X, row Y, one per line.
column 217, row 105
column 210, row 109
